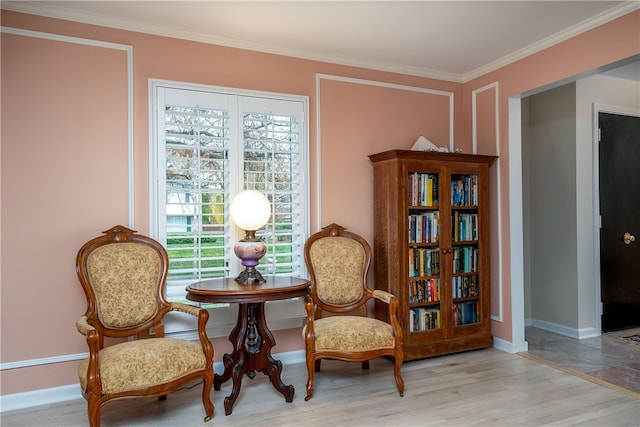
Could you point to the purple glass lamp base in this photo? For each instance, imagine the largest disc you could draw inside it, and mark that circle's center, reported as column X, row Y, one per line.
column 250, row 252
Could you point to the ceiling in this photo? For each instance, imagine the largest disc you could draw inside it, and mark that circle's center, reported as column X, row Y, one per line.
column 450, row 40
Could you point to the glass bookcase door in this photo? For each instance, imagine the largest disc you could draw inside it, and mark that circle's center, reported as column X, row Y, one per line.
column 425, row 311
column 465, row 280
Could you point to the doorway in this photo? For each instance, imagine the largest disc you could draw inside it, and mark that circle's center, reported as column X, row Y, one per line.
column 619, row 209
column 561, row 224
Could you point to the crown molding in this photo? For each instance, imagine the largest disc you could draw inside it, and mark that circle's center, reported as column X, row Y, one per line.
column 566, row 34
column 70, row 14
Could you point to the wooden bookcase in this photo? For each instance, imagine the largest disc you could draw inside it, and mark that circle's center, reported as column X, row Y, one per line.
column 431, row 248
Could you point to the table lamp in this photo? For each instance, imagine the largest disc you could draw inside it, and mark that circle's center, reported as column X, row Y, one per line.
column 250, row 210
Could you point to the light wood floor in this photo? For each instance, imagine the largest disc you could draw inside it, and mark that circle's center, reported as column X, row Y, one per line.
column 478, row 388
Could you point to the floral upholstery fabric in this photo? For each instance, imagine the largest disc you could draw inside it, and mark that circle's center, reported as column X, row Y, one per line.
column 125, row 278
column 338, row 264
column 351, row 333
column 185, row 308
column 143, row 363
column 83, row 326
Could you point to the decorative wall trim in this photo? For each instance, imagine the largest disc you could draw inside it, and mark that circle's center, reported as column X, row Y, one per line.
column 474, row 116
column 56, row 12
column 221, row 330
column 213, row 331
column 44, row 9
column 320, row 77
column 106, row 45
column 474, row 133
column 42, row 361
column 70, row 392
column 318, row 156
column 129, row 70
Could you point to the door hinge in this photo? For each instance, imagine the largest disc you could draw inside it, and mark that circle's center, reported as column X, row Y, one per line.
column 599, row 134
column 601, row 308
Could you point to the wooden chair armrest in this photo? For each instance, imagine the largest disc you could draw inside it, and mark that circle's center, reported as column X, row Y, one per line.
column 203, row 317
column 383, row 296
column 94, row 342
column 391, row 299
column 309, row 307
column 186, row 308
column 309, row 331
column 83, row 326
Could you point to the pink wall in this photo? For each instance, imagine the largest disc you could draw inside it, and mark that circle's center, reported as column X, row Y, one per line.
column 61, row 188
column 577, row 56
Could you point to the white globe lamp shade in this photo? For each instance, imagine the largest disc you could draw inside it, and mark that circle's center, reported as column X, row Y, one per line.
column 250, row 210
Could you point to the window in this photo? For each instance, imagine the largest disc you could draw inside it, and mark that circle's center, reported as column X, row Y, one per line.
column 208, row 144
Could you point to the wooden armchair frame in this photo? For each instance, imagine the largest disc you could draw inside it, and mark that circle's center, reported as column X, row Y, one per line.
column 317, row 304
column 92, row 326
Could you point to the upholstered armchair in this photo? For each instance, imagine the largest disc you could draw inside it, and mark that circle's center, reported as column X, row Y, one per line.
column 337, row 325
column 123, row 275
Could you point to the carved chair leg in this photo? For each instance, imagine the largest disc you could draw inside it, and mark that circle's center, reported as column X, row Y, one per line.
column 206, row 397
column 95, row 408
column 365, row 364
column 397, row 365
column 311, row 376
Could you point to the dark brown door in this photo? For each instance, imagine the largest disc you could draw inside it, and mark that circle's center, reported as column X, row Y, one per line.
column 619, row 164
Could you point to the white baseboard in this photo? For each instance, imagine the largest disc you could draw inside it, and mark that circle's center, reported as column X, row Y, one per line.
column 565, row 330
column 509, row 347
column 66, row 393
column 288, row 358
column 45, row 396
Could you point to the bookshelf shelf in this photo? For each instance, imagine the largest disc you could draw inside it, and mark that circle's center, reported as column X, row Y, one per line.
column 431, row 248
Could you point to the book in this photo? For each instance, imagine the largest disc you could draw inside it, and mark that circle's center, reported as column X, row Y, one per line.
column 464, row 190
column 422, row 189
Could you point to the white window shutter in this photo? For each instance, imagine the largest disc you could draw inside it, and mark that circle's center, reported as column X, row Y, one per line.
column 208, row 144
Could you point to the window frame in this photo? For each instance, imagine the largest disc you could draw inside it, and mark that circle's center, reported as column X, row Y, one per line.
column 281, row 314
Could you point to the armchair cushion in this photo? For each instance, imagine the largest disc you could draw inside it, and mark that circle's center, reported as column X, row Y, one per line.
column 338, row 264
column 123, row 276
column 352, row 333
column 148, row 362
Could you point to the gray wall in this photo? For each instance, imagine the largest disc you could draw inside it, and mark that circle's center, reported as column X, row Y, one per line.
column 551, row 216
